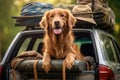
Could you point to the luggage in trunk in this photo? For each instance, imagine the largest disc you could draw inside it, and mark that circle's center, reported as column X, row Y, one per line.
column 24, row 71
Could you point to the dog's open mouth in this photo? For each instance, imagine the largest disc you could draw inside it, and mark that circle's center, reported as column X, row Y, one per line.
column 57, row 31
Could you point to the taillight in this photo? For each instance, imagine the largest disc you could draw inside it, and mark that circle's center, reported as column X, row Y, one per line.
column 1, row 69
column 105, row 73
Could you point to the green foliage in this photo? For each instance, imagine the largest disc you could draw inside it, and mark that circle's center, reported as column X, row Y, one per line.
column 115, row 5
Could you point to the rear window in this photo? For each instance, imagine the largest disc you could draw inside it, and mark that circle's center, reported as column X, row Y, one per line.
column 30, row 43
column 34, row 41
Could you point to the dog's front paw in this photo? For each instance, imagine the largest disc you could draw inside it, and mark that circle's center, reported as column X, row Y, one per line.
column 46, row 65
column 69, row 63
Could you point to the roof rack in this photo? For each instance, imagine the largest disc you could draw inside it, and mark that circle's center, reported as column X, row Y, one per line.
column 27, row 20
column 32, row 22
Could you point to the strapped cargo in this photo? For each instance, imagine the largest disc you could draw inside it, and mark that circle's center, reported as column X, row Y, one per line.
column 100, row 15
column 100, row 12
column 30, row 63
column 31, row 14
column 103, row 14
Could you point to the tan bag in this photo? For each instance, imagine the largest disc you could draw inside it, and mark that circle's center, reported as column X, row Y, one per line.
column 103, row 14
column 31, row 55
column 96, row 4
column 28, row 55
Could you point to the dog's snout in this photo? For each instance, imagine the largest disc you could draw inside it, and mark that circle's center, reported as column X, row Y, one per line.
column 56, row 23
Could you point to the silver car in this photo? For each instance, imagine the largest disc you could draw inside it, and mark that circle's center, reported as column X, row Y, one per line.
column 101, row 49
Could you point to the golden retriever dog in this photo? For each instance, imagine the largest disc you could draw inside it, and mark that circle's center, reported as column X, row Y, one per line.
column 59, row 39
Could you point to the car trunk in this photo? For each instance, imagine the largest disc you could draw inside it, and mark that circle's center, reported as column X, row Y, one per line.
column 31, row 40
column 24, row 71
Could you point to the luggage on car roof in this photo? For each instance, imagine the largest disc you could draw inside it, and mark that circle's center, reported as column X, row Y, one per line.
column 35, row 8
column 103, row 14
column 31, row 14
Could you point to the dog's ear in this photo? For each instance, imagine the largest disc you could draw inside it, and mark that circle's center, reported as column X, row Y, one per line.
column 71, row 19
column 44, row 22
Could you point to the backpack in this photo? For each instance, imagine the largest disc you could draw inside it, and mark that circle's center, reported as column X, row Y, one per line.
column 103, row 14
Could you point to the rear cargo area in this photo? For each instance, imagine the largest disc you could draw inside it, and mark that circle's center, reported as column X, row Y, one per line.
column 80, row 71
column 25, row 71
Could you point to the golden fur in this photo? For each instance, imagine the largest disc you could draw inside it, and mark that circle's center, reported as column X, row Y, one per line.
column 58, row 39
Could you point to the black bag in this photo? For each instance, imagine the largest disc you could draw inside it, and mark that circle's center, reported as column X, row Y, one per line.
column 35, row 8
column 31, row 14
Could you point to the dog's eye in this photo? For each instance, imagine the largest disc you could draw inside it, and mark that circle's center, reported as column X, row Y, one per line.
column 51, row 16
column 62, row 15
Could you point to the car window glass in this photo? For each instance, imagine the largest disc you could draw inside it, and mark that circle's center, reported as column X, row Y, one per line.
column 85, row 44
column 83, row 38
column 24, row 45
column 109, row 47
column 118, row 47
column 38, row 46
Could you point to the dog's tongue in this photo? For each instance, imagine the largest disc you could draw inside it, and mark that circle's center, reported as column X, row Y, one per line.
column 57, row 31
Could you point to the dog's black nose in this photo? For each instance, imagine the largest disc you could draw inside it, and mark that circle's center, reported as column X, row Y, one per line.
column 56, row 23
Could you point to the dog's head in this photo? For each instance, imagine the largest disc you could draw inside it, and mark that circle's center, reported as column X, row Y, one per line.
column 57, row 19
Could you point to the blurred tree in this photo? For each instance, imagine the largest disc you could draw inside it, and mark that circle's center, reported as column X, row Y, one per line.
column 115, row 5
column 5, row 8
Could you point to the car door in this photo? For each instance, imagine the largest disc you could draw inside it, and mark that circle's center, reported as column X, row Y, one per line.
column 112, row 54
